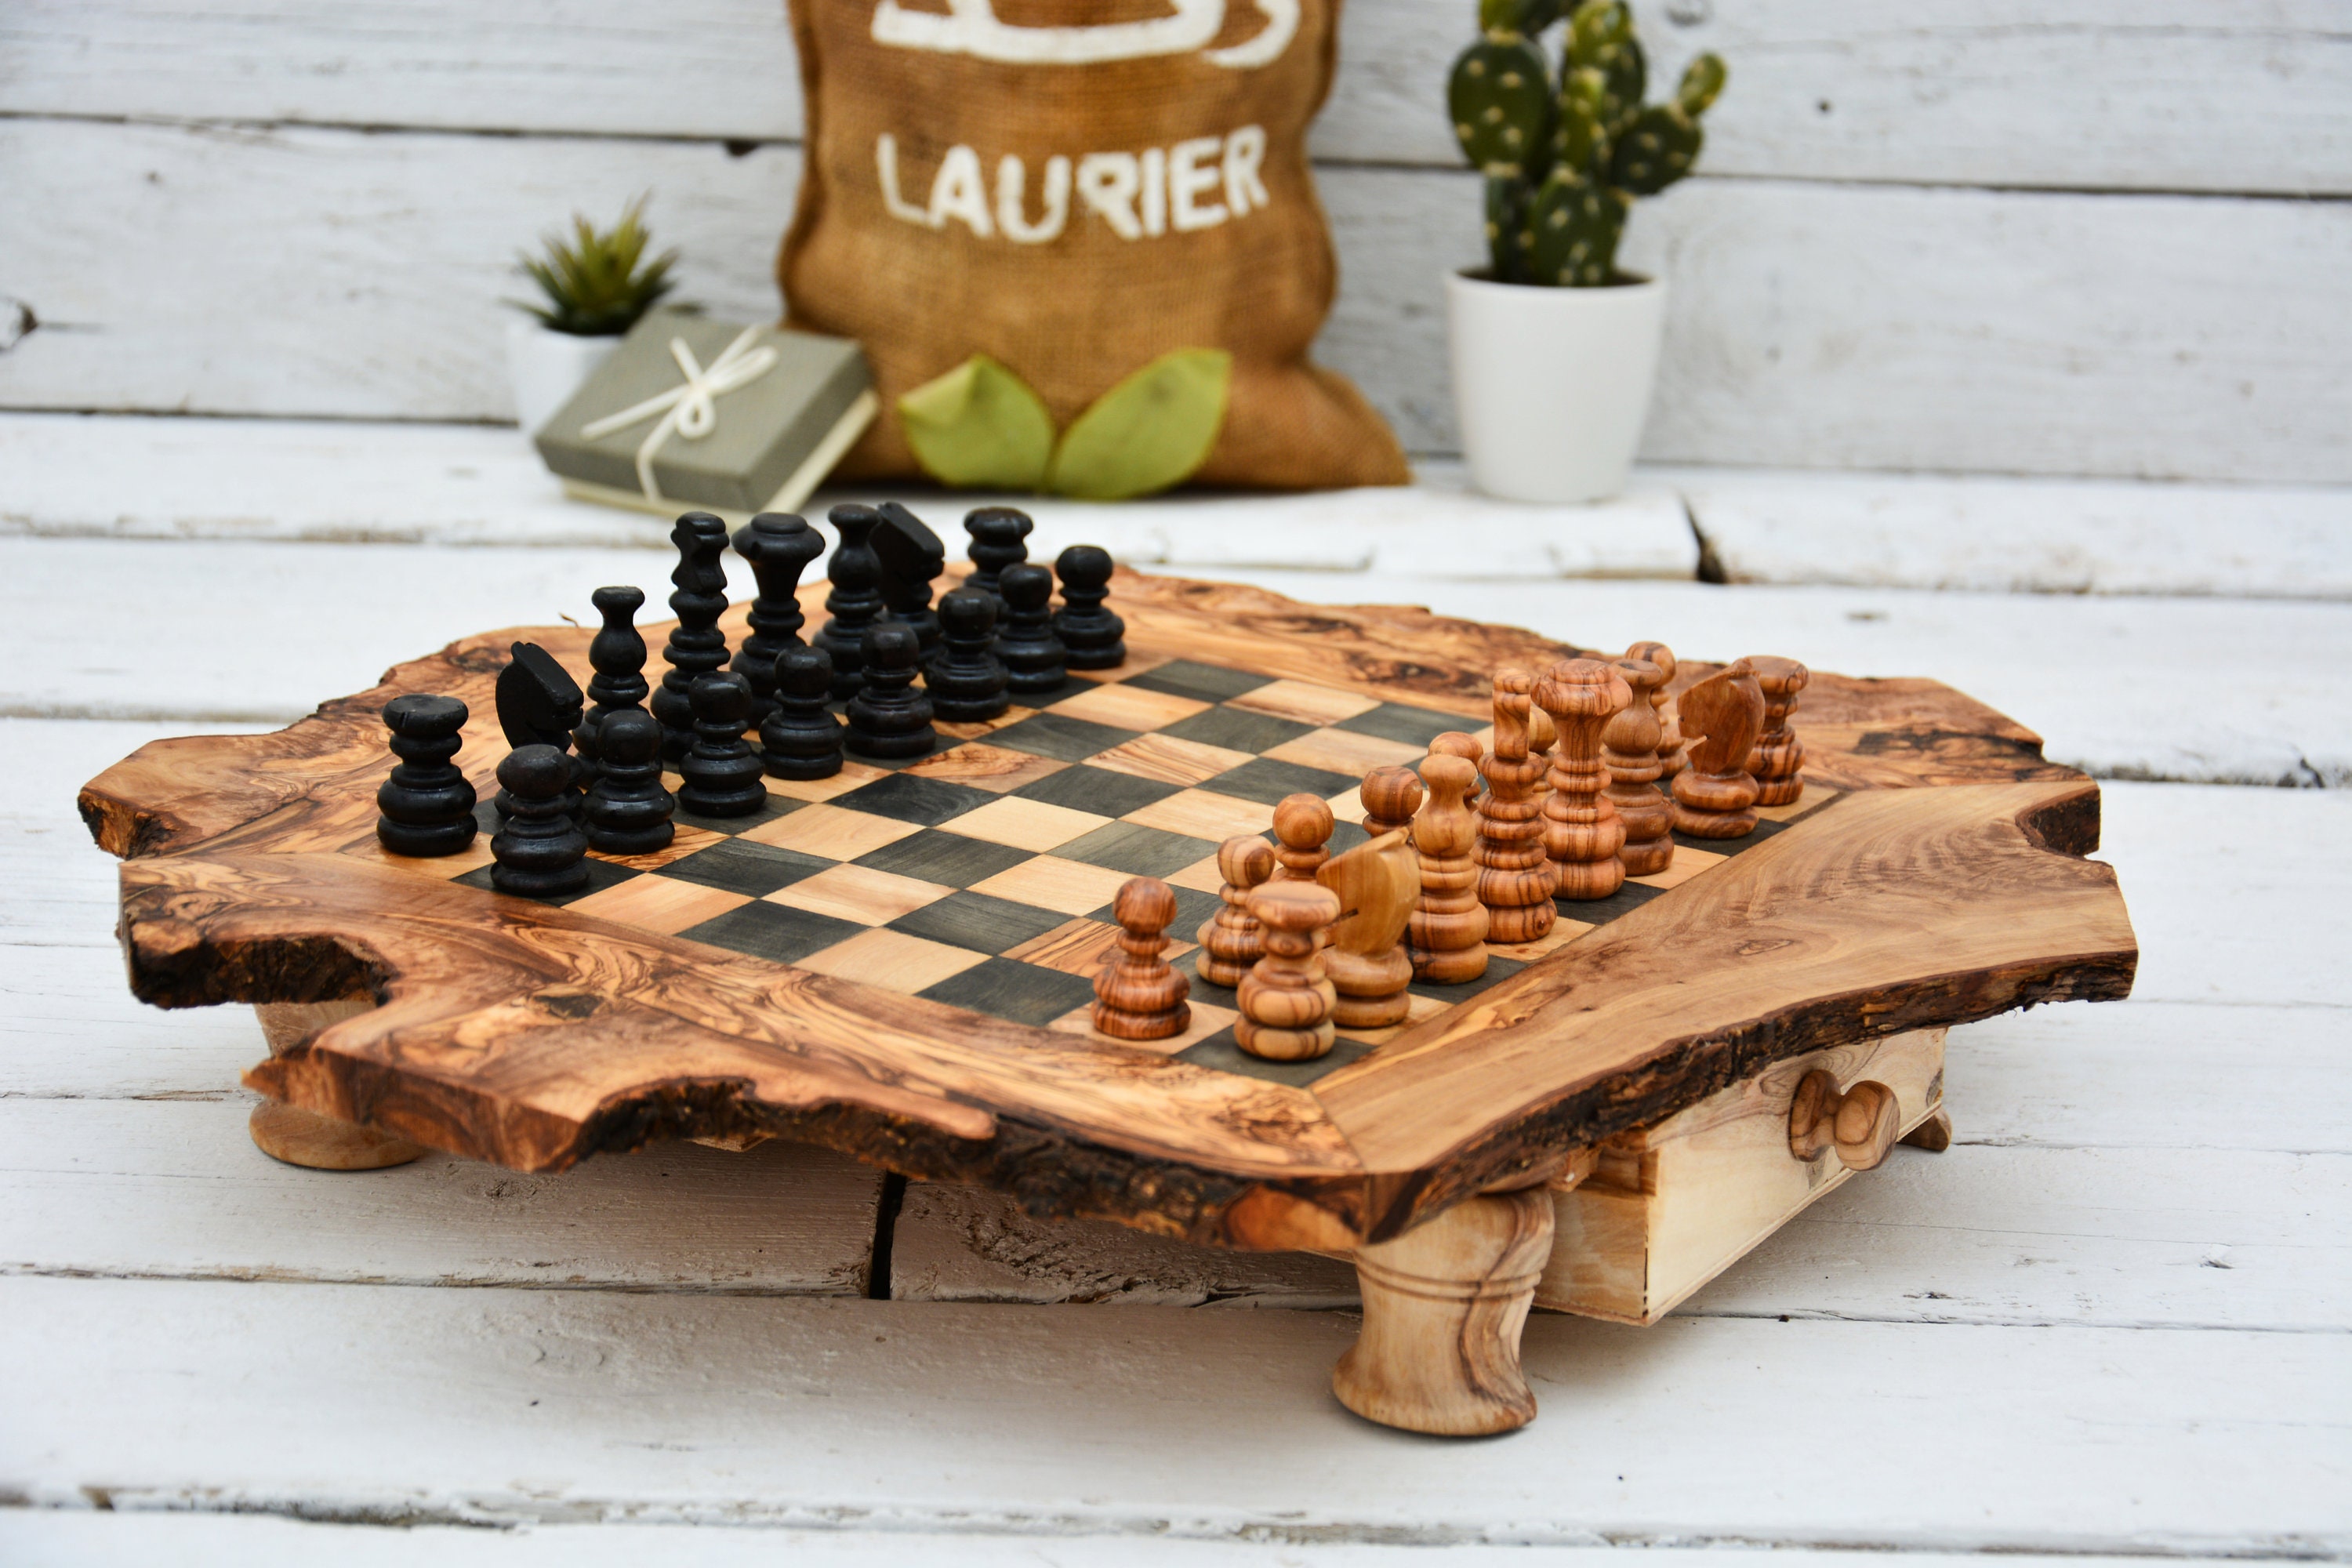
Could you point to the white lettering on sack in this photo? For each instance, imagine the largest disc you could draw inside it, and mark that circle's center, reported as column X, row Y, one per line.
column 971, row 27
column 1139, row 195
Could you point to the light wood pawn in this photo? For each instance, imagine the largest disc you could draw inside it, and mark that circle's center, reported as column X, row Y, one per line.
column 1138, row 996
column 1230, row 939
column 1287, row 1000
column 1581, row 832
column 1456, row 743
column 1778, row 755
column 1391, row 794
column 1671, row 760
column 1515, row 876
column 1629, row 745
column 1715, row 797
column 1303, row 824
column 1377, row 884
column 1446, row 938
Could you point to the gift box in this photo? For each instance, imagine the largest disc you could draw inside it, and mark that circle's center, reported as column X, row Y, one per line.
column 691, row 412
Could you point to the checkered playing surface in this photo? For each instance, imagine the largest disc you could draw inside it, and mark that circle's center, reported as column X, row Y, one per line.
column 983, row 875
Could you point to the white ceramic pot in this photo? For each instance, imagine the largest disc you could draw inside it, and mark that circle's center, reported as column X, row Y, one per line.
column 546, row 367
column 1551, row 385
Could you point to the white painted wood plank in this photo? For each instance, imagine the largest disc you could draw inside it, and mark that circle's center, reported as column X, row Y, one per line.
column 574, row 1406
column 70, row 1028
column 175, row 1189
column 2173, row 97
column 1989, row 534
column 2122, row 347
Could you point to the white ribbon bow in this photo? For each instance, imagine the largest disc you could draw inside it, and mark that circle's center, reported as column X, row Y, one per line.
column 690, row 409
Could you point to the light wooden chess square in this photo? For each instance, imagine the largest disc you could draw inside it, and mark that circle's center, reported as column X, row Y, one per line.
column 1170, row 760
column 1345, row 752
column 984, row 766
column 832, row 832
column 1687, row 863
column 973, row 729
column 859, row 893
column 1023, row 824
column 659, row 904
column 1130, row 707
column 1202, row 876
column 683, row 841
column 440, row 867
column 1206, row 1021
column 1306, row 703
column 1205, row 814
column 1047, row 883
column 853, row 775
column 891, row 960
column 1076, row 947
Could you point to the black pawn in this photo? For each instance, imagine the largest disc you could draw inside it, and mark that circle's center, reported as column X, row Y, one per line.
column 889, row 718
column 1033, row 654
column 855, row 602
column 967, row 680
column 1090, row 634
column 628, row 811
column 801, row 739
column 997, row 535
column 697, row 647
column 540, row 852
column 912, row 557
column 722, row 777
column 780, row 547
column 427, row 806
column 618, row 655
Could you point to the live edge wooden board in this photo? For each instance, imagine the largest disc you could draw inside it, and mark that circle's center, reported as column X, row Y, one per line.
column 1943, row 882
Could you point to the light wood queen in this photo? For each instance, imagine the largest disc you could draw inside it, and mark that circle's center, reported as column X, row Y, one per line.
column 535, row 1036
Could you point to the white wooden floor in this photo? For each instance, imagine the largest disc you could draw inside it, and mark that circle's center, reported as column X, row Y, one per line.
column 2114, row 1320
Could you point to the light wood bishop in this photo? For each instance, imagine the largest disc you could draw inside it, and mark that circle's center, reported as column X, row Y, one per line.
column 1391, row 794
column 1137, row 995
column 1231, row 940
column 1630, row 746
column 1287, row 998
column 1581, row 832
column 1302, row 823
column 1671, row 760
column 1446, row 938
column 1715, row 797
column 1514, row 877
column 1777, row 756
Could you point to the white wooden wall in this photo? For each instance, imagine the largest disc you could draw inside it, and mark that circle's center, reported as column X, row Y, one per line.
column 2072, row 236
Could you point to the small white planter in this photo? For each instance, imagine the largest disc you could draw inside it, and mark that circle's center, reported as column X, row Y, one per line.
column 1551, row 385
column 546, row 367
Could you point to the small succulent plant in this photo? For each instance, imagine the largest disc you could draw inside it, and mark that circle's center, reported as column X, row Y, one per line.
column 599, row 281
column 1566, row 153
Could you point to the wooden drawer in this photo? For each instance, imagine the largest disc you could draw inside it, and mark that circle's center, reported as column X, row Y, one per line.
column 1668, row 1207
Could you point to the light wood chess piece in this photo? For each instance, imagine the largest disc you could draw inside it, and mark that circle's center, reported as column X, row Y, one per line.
column 1378, row 884
column 1581, row 832
column 1391, row 794
column 1629, row 744
column 1715, row 797
column 1230, row 939
column 1137, row 995
column 1514, row 877
column 1303, row 824
column 1671, row 760
column 1778, row 755
column 1446, row 938
column 1287, row 1000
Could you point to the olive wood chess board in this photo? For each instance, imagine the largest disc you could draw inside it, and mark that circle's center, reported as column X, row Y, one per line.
column 895, row 962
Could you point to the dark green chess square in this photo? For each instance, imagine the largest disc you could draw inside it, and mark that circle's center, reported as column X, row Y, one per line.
column 1237, row 729
column 1007, row 988
column 1139, row 851
column 1763, row 830
column 1201, row 683
column 979, row 922
column 1061, row 737
column 1193, row 908
column 1345, row 836
column 1098, row 790
column 948, row 859
column 1497, row 971
column 1413, row 726
column 1219, row 1051
column 741, row 866
column 1267, row 781
column 775, row 805
column 1601, row 911
column 1205, row 991
column 602, row 874
column 909, row 797
column 773, row 931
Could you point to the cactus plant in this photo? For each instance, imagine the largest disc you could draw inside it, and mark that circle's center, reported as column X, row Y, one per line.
column 1565, row 153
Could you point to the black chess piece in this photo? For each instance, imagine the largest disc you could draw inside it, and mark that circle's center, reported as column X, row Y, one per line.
column 697, row 647
column 540, row 851
column 1091, row 635
column 722, row 777
column 780, row 547
column 1033, row 654
column 889, row 718
column 855, row 602
column 967, row 680
column 427, row 806
column 628, row 810
column 801, row 739
column 618, row 655
column 998, row 533
column 539, row 705
column 912, row 557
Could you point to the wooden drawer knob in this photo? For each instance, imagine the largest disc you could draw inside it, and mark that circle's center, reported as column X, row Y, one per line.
column 1861, row 1124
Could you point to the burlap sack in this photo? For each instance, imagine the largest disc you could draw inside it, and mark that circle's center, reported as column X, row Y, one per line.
column 1075, row 187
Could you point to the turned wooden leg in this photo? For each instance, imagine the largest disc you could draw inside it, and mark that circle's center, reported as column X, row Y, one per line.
column 305, row 1138
column 1443, row 1306
column 1934, row 1134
